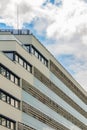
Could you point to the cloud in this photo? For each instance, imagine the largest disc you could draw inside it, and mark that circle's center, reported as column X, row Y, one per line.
column 70, row 18
column 27, row 11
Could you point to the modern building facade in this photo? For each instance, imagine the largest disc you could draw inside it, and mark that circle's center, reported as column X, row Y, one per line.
column 36, row 92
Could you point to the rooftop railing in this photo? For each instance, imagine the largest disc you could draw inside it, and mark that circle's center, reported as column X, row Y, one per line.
column 17, row 31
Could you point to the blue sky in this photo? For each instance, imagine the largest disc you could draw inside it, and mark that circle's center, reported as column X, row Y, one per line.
column 60, row 25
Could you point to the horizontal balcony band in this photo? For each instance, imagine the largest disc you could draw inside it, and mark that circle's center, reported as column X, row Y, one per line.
column 22, row 126
column 58, row 73
column 42, row 117
column 47, row 101
column 59, row 92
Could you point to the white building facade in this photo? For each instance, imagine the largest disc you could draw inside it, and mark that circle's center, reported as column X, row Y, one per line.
column 36, row 92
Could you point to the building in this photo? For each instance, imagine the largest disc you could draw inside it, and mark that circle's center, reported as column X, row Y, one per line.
column 36, row 92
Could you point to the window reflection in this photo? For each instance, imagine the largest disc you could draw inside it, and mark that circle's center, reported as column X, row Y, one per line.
column 6, row 122
column 9, row 55
column 8, row 74
column 3, row 121
column 12, row 102
column 35, row 52
column 24, row 63
column 2, row 71
column 9, row 99
column 3, row 96
column 20, row 60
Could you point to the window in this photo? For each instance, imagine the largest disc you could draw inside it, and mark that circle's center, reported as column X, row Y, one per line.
column 3, row 96
column 36, row 54
column 12, row 126
column 28, row 68
column 6, row 122
column 3, row 121
column 17, row 104
column 34, row 51
column 10, row 55
column 9, row 75
column 43, row 60
column 16, row 81
column 12, row 77
column 24, row 63
column 9, row 99
column 20, row 61
column 12, row 102
column 27, row 48
column 16, row 58
column 2, row 71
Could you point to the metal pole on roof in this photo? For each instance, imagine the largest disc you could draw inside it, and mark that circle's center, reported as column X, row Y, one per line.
column 17, row 16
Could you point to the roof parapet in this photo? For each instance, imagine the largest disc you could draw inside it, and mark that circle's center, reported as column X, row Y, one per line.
column 16, row 31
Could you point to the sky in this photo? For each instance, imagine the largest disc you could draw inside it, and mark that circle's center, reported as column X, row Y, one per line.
column 60, row 25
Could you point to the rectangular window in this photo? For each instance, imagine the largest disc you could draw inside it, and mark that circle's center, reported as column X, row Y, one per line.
column 39, row 57
column 3, row 121
column 28, row 48
column 8, row 100
column 2, row 71
column 17, row 104
column 12, row 77
column 17, row 58
column 43, row 60
column 12, row 102
column 20, row 61
column 46, row 63
column 32, row 51
column 12, row 126
column 3, row 96
column 7, row 122
column 28, row 68
column 7, row 74
column 16, row 81
column 25, row 65
column 36, row 54
column 9, row 55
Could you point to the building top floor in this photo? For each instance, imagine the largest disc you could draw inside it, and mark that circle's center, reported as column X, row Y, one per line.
column 11, row 40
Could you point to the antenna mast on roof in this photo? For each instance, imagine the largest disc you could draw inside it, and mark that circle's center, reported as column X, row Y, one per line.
column 17, row 16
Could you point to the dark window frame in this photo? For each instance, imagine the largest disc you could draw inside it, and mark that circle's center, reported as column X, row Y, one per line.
column 10, row 72
column 10, row 98
column 19, row 59
column 7, row 122
column 34, row 52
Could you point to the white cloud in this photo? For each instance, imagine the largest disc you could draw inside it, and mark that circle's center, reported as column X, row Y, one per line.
column 70, row 18
column 27, row 11
column 64, row 22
